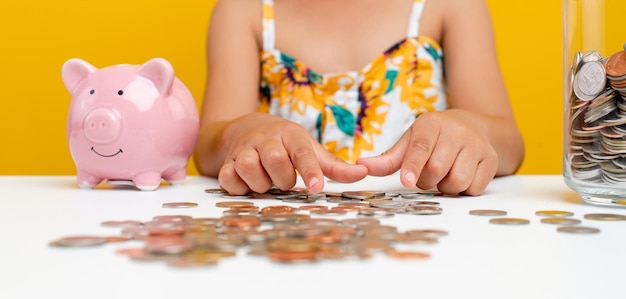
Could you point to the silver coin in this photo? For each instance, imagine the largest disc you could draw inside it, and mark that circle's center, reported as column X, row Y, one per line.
column 591, row 56
column 487, row 212
column 578, row 229
column 590, row 80
column 509, row 221
column 376, row 212
column 424, row 210
column 605, row 217
column 216, row 191
column 560, row 220
column 79, row 241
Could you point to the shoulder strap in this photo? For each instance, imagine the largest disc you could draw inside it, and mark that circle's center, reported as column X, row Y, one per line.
column 268, row 24
column 414, row 19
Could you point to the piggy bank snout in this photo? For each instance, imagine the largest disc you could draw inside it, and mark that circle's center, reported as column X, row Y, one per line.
column 102, row 125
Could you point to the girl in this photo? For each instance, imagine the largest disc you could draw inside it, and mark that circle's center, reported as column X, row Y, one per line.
column 344, row 88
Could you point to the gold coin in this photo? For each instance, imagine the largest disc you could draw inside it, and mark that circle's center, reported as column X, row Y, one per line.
column 578, row 229
column 426, row 232
column 216, row 191
column 560, row 220
column 554, row 213
column 180, row 205
column 509, row 221
column 228, row 204
column 292, row 256
column 312, row 207
column 358, row 194
column 407, row 254
column 293, row 244
column 605, row 217
column 487, row 212
column 241, row 221
column 272, row 210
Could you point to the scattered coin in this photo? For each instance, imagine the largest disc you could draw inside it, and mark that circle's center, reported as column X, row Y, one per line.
column 578, row 229
column 488, row 212
column 605, row 217
column 424, row 210
column 123, row 223
column 358, row 194
column 226, row 195
column 288, row 234
column 554, row 213
column 560, row 220
column 427, row 232
column 228, row 204
column 278, row 210
column 79, row 241
column 216, row 191
column 180, row 205
column 408, row 254
column 376, row 212
column 509, row 221
column 117, row 239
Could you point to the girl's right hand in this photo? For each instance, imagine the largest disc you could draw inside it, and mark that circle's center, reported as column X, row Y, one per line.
column 264, row 151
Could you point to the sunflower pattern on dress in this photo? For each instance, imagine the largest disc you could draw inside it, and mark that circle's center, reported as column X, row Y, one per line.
column 359, row 113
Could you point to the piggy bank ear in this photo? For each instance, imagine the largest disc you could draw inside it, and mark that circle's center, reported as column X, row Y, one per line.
column 74, row 71
column 160, row 72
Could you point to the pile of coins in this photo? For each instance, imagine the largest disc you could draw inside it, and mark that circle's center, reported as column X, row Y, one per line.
column 286, row 234
column 597, row 120
column 310, row 232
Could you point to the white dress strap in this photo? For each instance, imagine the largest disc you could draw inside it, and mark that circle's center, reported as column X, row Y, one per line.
column 269, row 36
column 414, row 18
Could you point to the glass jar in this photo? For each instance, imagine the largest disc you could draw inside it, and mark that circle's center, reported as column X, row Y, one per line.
column 594, row 94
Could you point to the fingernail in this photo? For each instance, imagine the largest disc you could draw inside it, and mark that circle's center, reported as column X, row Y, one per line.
column 313, row 182
column 410, row 177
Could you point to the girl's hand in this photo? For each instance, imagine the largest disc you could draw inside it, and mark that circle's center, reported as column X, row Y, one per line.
column 442, row 149
column 264, row 151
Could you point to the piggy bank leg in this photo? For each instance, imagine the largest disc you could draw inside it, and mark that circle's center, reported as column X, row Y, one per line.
column 147, row 181
column 176, row 177
column 87, row 180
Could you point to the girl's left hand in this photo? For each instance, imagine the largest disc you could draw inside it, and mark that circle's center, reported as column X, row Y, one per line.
column 444, row 149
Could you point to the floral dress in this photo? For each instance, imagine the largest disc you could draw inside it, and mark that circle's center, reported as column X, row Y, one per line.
column 355, row 113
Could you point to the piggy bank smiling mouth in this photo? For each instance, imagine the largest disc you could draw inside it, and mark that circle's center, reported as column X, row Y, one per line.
column 119, row 151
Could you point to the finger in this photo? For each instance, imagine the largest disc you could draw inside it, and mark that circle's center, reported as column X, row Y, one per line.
column 338, row 170
column 248, row 167
column 421, row 143
column 389, row 161
column 277, row 164
column 461, row 173
column 305, row 161
column 445, row 155
column 485, row 172
column 230, row 180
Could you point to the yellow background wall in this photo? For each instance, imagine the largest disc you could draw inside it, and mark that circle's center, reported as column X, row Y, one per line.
column 37, row 37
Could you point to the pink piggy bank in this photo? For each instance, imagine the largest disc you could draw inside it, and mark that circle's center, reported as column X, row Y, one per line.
column 136, row 123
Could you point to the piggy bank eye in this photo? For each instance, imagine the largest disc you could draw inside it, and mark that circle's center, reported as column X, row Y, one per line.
column 92, row 91
column 120, row 92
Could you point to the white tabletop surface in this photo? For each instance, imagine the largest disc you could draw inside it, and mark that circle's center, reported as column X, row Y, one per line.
column 476, row 260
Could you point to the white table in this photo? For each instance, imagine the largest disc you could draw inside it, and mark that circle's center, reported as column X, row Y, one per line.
column 476, row 260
